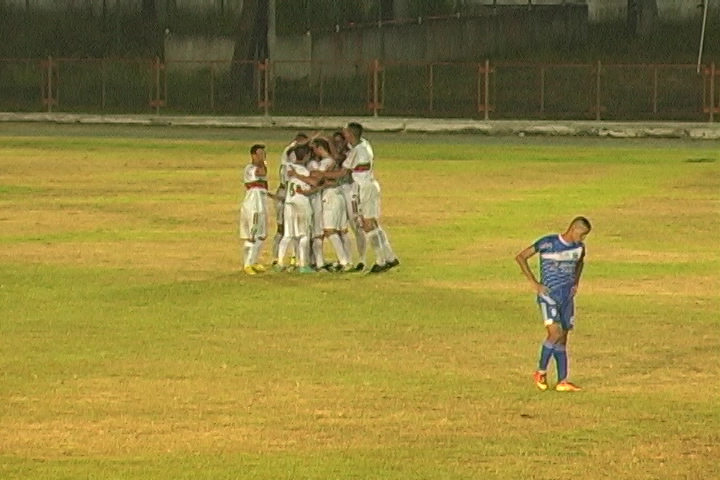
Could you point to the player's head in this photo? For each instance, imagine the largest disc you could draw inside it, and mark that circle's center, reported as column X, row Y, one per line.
column 578, row 229
column 257, row 154
column 320, row 147
column 353, row 132
column 301, row 139
column 339, row 140
column 302, row 153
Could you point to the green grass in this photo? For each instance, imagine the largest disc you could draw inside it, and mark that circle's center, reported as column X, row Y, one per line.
column 131, row 346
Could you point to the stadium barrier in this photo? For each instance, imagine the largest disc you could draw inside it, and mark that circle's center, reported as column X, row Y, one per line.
column 481, row 90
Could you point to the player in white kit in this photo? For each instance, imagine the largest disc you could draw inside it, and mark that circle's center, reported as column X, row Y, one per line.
column 341, row 150
column 360, row 162
column 287, row 157
column 334, row 214
column 253, row 212
column 298, row 212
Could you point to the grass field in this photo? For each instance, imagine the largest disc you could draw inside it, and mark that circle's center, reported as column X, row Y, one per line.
column 131, row 345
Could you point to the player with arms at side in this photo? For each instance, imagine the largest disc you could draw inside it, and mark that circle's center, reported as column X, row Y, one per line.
column 253, row 212
column 562, row 258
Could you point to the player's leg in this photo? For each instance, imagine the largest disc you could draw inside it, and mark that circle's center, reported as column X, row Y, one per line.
column 260, row 236
column 352, row 207
column 550, row 315
column 246, row 235
column 304, row 225
column 280, row 220
column 370, row 212
column 392, row 260
column 289, row 228
column 567, row 321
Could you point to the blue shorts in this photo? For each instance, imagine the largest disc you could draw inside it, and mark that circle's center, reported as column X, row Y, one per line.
column 554, row 311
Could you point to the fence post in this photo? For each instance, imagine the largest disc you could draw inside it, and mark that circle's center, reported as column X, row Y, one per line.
column 212, row 87
column 322, row 83
column 431, row 86
column 542, row 90
column 103, row 88
column 157, row 85
column 712, row 92
column 49, row 85
column 487, row 89
column 376, row 78
column 266, row 87
column 598, row 66
column 655, row 89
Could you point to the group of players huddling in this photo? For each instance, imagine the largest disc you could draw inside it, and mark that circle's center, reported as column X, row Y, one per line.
column 327, row 188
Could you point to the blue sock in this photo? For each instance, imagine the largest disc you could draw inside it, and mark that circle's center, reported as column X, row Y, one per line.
column 561, row 360
column 546, row 353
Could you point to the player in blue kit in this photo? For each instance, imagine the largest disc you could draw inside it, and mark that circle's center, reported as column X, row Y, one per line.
column 562, row 258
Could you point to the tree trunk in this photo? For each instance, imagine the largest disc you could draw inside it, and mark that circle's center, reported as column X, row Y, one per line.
column 250, row 45
column 642, row 16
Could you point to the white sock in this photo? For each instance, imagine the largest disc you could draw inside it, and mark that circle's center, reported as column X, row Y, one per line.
column 361, row 242
column 373, row 238
column 337, row 244
column 302, row 252
column 347, row 244
column 293, row 249
column 387, row 249
column 256, row 251
column 276, row 245
column 318, row 252
column 282, row 250
column 247, row 253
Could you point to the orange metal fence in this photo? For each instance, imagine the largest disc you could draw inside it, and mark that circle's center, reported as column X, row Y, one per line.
column 484, row 90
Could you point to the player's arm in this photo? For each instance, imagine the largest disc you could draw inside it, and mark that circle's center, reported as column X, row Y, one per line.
column 522, row 260
column 311, row 190
column 578, row 271
column 309, row 179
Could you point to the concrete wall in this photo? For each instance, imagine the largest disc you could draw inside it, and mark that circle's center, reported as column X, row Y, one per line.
column 465, row 39
column 194, row 53
column 226, row 6
column 606, row 10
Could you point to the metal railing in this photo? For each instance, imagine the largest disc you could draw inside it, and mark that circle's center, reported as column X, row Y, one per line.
column 484, row 90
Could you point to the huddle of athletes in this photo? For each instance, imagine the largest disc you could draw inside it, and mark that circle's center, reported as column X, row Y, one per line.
column 327, row 189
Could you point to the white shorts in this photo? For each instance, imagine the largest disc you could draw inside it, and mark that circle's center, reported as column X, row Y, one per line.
column 349, row 192
column 317, row 215
column 298, row 218
column 369, row 205
column 334, row 211
column 249, row 230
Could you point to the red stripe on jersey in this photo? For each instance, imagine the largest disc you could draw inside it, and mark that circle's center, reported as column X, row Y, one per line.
column 257, row 184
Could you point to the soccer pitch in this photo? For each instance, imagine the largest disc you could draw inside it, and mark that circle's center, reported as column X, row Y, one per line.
column 132, row 345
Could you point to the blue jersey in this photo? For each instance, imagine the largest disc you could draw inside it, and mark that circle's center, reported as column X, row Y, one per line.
column 558, row 264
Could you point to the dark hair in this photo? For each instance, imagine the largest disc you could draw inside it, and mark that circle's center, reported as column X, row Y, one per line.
column 339, row 134
column 301, row 151
column 582, row 220
column 301, row 136
column 256, row 147
column 356, row 129
column 321, row 142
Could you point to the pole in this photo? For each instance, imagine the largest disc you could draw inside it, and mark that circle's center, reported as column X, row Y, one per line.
column 655, row 89
column 103, row 87
column 157, row 85
column 212, row 87
column 702, row 34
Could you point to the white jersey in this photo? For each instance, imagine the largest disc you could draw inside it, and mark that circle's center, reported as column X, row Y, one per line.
column 294, row 183
column 255, row 189
column 360, row 161
column 286, row 158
